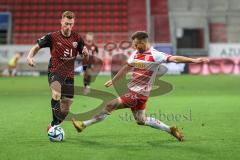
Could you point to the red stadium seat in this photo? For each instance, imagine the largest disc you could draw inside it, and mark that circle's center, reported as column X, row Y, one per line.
column 75, row 8
column 17, row 15
column 97, row 28
column 99, row 20
column 34, row 14
column 117, row 38
column 108, row 28
column 98, row 8
column 83, row 20
column 92, row 15
column 82, row 28
column 17, row 28
column 107, row 14
column 124, row 8
column 50, row 8
column 124, row 28
column 90, row 21
column 107, row 7
column 116, row 8
column 18, row 7
column 83, row 14
column 17, row 21
column 116, row 14
column 108, row 21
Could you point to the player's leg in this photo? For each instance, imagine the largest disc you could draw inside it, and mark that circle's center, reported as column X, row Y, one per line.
column 55, row 83
column 87, row 79
column 10, row 70
column 115, row 104
column 65, row 106
column 55, row 87
column 107, row 110
column 141, row 119
column 67, row 95
column 6, row 72
column 14, row 72
column 125, row 101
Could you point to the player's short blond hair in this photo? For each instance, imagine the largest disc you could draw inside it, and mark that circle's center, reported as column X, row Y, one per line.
column 68, row 14
column 90, row 34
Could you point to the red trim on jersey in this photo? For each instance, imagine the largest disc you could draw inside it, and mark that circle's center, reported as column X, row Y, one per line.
column 144, row 57
column 151, row 59
column 139, row 56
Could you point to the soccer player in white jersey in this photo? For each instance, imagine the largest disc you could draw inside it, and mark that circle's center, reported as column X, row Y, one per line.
column 144, row 63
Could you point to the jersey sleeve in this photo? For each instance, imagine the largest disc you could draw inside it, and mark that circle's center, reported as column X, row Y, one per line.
column 45, row 41
column 160, row 56
column 130, row 59
column 80, row 45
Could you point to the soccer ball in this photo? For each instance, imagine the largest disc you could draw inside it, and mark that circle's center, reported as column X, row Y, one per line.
column 56, row 134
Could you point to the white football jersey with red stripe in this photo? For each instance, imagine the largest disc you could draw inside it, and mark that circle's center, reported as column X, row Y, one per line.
column 145, row 68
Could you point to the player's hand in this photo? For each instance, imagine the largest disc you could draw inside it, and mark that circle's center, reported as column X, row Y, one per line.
column 108, row 83
column 85, row 51
column 201, row 60
column 30, row 62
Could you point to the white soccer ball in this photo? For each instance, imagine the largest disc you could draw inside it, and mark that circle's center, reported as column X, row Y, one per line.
column 56, row 134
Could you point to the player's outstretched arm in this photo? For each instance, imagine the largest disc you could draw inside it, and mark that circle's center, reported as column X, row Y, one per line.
column 182, row 59
column 121, row 73
column 31, row 54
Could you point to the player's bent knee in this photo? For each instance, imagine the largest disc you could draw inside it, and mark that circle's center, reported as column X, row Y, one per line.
column 140, row 122
column 109, row 107
column 56, row 95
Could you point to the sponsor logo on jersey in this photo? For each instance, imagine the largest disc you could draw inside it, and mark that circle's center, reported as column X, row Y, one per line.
column 75, row 44
column 139, row 65
column 68, row 55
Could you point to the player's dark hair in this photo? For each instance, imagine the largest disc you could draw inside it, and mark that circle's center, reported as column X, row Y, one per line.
column 140, row 35
column 68, row 14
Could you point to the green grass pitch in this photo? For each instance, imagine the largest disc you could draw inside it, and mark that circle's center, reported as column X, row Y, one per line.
column 208, row 110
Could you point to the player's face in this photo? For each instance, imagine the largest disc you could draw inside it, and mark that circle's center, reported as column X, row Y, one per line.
column 89, row 38
column 140, row 45
column 67, row 25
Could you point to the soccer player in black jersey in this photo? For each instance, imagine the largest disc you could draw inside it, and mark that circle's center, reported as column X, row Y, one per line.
column 64, row 45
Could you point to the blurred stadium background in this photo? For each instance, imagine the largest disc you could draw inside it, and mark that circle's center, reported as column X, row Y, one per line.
column 178, row 27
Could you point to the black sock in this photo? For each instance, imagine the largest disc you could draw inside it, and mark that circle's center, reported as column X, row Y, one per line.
column 87, row 81
column 56, row 112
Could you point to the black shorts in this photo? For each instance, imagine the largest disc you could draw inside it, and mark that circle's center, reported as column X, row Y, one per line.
column 88, row 66
column 67, row 84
